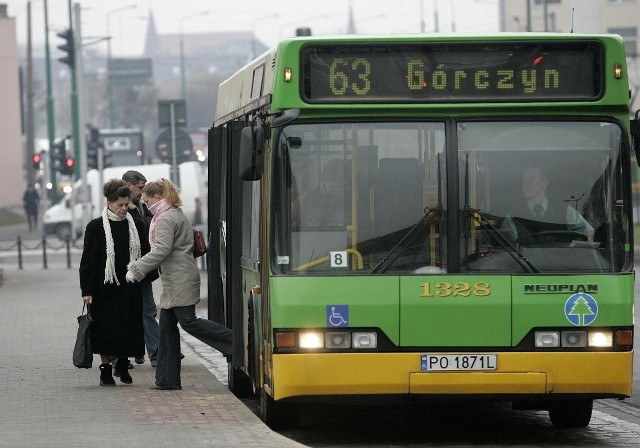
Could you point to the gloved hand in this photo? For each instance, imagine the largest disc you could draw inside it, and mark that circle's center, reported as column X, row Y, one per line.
column 130, row 277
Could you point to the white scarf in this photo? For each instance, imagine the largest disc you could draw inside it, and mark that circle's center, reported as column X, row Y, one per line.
column 134, row 244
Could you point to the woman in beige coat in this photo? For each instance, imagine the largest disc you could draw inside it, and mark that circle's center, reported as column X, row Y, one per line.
column 171, row 238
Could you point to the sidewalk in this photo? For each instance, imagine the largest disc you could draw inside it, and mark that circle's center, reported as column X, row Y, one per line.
column 46, row 401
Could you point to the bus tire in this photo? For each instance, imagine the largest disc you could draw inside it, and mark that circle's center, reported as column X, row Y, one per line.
column 239, row 383
column 570, row 413
column 276, row 414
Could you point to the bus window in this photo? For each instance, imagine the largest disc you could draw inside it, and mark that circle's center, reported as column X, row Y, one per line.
column 366, row 193
column 537, row 195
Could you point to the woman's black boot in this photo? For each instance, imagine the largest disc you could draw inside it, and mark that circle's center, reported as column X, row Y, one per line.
column 122, row 366
column 106, row 379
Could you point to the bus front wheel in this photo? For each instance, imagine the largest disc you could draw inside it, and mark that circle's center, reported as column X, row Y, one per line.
column 571, row 413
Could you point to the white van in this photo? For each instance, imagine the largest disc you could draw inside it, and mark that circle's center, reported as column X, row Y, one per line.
column 67, row 214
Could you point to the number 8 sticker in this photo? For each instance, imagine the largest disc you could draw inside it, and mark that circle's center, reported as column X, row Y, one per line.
column 338, row 259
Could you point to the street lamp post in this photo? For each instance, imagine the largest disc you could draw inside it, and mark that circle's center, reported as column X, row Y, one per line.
column 183, row 78
column 50, row 110
column 109, row 86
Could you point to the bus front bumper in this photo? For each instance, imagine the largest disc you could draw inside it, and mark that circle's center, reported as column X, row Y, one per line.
column 598, row 374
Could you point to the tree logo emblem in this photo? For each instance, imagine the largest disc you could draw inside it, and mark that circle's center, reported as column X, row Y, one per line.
column 581, row 309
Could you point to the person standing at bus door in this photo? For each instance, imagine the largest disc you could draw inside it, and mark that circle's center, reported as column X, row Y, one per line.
column 111, row 242
column 136, row 182
column 31, row 199
column 537, row 214
column 171, row 239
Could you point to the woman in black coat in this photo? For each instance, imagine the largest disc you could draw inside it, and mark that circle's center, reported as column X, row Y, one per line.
column 111, row 242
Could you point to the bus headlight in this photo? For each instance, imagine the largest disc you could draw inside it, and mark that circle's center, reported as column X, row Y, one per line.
column 574, row 338
column 310, row 339
column 365, row 340
column 324, row 339
column 546, row 339
column 338, row 339
column 600, row 338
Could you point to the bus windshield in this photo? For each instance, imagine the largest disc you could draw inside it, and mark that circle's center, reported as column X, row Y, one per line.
column 373, row 198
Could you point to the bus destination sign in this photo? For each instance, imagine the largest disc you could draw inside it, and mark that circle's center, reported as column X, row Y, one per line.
column 452, row 72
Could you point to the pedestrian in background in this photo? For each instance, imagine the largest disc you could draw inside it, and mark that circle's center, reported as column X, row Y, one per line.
column 171, row 238
column 31, row 200
column 136, row 181
column 111, row 242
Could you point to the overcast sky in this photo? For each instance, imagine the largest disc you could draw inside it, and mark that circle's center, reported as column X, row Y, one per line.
column 271, row 20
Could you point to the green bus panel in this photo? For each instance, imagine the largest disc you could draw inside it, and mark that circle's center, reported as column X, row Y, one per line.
column 287, row 94
column 455, row 311
column 571, row 301
column 304, row 302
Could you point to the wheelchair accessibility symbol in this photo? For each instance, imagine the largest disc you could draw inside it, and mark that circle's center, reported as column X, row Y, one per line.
column 581, row 309
column 337, row 315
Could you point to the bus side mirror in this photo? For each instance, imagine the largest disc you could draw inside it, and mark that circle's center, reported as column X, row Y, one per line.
column 251, row 153
column 635, row 135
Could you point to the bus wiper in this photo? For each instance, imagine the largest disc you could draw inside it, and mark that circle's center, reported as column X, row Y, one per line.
column 480, row 217
column 391, row 256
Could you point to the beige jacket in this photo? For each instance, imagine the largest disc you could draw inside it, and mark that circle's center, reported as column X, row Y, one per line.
column 173, row 253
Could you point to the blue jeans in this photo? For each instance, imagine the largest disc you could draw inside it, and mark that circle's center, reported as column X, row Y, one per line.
column 211, row 333
column 151, row 328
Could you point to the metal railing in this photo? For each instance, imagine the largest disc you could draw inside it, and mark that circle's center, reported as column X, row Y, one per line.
column 20, row 246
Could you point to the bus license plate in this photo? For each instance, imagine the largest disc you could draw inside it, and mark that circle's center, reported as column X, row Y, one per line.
column 460, row 362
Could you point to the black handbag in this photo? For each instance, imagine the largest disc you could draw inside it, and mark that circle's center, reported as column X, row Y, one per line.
column 82, row 353
column 199, row 244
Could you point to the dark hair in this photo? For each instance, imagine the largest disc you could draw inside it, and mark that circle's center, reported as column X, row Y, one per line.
column 114, row 189
column 133, row 176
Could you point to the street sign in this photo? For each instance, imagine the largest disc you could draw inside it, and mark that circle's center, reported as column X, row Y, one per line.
column 184, row 146
column 179, row 110
column 130, row 71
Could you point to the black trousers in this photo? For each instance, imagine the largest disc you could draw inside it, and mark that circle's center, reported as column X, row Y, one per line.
column 211, row 333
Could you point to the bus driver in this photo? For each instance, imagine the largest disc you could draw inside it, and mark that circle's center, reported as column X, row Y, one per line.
column 538, row 214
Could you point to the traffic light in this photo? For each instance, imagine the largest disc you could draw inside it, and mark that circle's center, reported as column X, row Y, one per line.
column 67, row 166
column 68, row 47
column 37, row 158
column 92, row 156
column 64, row 163
column 106, row 159
column 93, row 141
column 59, row 150
column 95, row 148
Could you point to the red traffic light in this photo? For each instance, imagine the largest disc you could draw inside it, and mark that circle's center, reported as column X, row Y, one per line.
column 37, row 158
column 67, row 167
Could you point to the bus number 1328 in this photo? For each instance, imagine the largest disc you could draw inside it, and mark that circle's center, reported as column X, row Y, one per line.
column 456, row 289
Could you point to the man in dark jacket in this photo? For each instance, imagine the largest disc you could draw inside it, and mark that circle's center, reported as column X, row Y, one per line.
column 136, row 181
column 31, row 199
column 539, row 214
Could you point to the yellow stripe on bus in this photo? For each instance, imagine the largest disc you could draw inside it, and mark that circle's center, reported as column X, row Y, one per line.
column 399, row 373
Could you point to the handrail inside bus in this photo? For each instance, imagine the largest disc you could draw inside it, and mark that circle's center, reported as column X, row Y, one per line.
column 358, row 264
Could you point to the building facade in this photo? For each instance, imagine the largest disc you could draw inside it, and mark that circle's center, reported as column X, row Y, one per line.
column 12, row 169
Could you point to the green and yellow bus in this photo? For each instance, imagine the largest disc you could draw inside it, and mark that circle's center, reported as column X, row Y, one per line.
column 429, row 216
